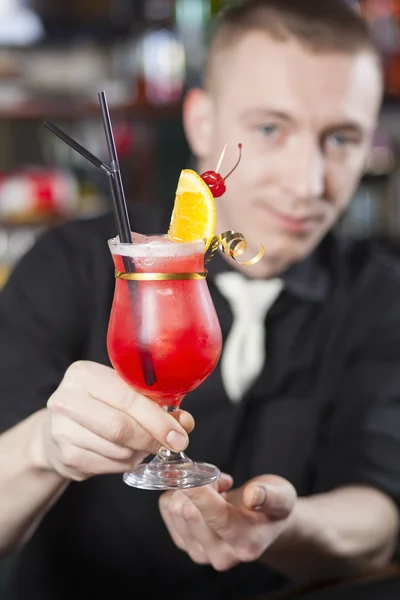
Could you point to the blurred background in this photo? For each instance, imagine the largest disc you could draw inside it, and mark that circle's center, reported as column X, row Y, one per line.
column 54, row 58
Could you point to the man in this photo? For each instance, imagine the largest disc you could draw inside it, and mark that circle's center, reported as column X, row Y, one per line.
column 311, row 439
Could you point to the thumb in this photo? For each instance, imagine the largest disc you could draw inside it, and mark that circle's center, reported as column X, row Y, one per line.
column 185, row 419
column 223, row 484
column 270, row 494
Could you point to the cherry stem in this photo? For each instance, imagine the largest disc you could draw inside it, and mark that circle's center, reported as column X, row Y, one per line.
column 221, row 158
column 238, row 161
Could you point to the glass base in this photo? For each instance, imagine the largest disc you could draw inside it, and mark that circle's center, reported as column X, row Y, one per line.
column 171, row 471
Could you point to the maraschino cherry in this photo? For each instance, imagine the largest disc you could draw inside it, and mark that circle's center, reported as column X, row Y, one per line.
column 215, row 181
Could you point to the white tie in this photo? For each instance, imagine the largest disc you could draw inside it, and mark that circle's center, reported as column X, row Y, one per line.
column 243, row 355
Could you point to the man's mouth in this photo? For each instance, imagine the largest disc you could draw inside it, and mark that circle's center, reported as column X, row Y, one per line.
column 290, row 222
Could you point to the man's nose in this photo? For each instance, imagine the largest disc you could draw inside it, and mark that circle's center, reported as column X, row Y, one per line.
column 306, row 172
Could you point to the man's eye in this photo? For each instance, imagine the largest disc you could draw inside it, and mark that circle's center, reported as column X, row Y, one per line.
column 269, row 129
column 341, row 139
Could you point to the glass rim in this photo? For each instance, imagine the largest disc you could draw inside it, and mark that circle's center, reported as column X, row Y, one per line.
column 169, row 248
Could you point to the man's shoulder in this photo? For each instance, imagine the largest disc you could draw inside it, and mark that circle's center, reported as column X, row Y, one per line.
column 88, row 233
column 367, row 267
column 143, row 219
column 82, row 242
column 364, row 296
column 371, row 255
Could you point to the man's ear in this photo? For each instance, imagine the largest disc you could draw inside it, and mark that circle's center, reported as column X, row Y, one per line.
column 197, row 121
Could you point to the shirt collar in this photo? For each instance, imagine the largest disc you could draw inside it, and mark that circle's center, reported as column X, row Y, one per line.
column 309, row 279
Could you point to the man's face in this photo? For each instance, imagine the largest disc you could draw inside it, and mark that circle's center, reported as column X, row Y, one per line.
column 305, row 121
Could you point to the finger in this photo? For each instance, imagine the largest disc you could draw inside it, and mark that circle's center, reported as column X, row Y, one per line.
column 165, row 513
column 223, row 484
column 185, row 419
column 107, row 422
column 218, row 552
column 104, row 384
column 175, row 509
column 275, row 497
column 215, row 510
column 65, row 430
column 157, row 422
column 171, row 507
column 103, row 421
column 79, row 464
column 223, row 518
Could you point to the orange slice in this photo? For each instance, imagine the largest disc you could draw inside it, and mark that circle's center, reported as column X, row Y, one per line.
column 194, row 214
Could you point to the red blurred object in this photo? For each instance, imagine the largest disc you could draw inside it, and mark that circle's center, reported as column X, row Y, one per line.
column 34, row 193
column 123, row 136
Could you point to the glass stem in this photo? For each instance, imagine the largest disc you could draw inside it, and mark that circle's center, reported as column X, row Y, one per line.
column 170, row 456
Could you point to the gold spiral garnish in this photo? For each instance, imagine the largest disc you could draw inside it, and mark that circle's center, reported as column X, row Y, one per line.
column 233, row 244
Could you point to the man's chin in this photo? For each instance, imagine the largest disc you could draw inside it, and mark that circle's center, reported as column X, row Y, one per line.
column 279, row 256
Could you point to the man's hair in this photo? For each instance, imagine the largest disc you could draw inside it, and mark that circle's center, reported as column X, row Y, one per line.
column 320, row 25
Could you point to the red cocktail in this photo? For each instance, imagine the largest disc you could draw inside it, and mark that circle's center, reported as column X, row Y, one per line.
column 170, row 317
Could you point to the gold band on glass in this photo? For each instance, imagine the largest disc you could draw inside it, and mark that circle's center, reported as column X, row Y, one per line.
column 159, row 276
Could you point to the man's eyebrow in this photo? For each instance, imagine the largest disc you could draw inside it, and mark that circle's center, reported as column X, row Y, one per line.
column 265, row 113
column 351, row 126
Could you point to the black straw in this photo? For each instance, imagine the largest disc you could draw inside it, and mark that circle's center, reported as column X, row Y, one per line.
column 120, row 213
column 120, row 205
column 124, row 231
column 76, row 146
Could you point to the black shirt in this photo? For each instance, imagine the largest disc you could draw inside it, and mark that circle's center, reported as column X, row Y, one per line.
column 324, row 412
